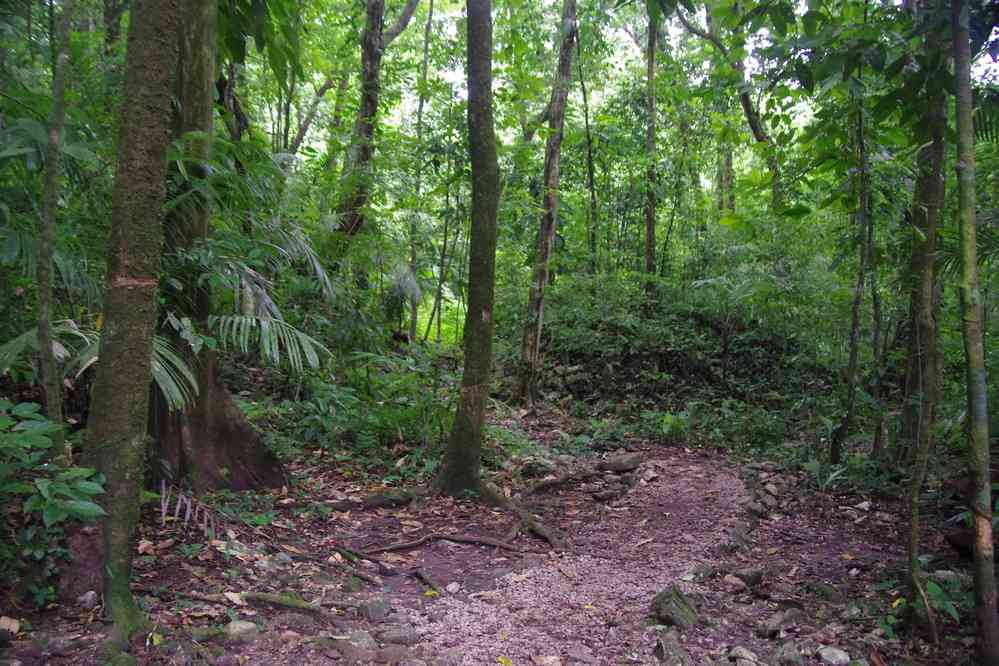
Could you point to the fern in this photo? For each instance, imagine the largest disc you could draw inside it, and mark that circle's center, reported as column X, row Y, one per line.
column 276, row 340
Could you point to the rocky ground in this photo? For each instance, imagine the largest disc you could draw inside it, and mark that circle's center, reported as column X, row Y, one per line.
column 664, row 556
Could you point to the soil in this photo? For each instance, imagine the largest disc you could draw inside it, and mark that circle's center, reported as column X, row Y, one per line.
column 682, row 518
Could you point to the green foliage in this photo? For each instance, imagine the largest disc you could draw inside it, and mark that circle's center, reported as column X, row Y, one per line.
column 47, row 494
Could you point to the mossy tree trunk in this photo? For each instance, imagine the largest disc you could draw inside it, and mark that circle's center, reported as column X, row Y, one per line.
column 651, row 178
column 460, row 471
column 51, row 375
column 919, row 406
column 119, row 409
column 355, row 181
column 974, row 351
column 530, row 348
column 211, row 444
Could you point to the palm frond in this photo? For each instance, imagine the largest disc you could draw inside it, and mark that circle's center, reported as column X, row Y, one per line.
column 276, row 340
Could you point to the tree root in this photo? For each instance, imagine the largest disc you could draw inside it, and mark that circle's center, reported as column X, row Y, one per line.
column 423, row 577
column 545, row 485
column 271, row 598
column 457, row 538
column 528, row 522
column 386, row 500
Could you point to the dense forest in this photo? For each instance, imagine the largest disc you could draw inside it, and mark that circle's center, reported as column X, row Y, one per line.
column 499, row 332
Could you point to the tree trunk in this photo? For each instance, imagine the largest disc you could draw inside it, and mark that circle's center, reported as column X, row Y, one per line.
column 210, row 442
column 592, row 220
column 650, row 150
column 861, row 221
column 355, row 182
column 310, row 115
column 50, row 374
column 117, row 426
column 414, row 300
column 919, row 406
column 530, row 349
column 460, row 470
column 971, row 318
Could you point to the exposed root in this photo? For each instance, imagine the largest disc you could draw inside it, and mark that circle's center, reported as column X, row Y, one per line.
column 457, row 538
column 423, row 577
column 527, row 521
column 271, row 598
column 386, row 500
column 584, row 474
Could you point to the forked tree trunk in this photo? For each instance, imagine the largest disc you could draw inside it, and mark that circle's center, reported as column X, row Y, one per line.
column 462, row 459
column 651, row 200
column 116, row 431
column 355, row 182
column 861, row 221
column 974, row 352
column 211, row 443
column 530, row 348
column 51, row 376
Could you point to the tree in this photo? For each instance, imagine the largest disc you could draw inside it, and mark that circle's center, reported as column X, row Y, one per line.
column 355, row 181
column 651, row 198
column 530, row 350
column 462, row 459
column 210, row 442
column 120, row 405
column 50, row 373
column 974, row 351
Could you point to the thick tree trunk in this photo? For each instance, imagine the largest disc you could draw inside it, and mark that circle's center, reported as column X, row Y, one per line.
column 414, row 300
column 51, row 375
column 117, row 426
column 211, row 443
column 861, row 221
column 530, row 348
column 651, row 200
column 462, row 460
column 355, row 182
column 971, row 318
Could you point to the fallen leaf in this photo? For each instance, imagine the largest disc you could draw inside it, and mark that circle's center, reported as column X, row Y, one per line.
column 146, row 547
column 505, row 661
column 235, row 597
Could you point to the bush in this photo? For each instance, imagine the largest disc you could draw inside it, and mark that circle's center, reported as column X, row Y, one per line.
column 37, row 496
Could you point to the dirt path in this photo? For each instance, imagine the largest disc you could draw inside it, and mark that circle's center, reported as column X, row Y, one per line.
column 735, row 541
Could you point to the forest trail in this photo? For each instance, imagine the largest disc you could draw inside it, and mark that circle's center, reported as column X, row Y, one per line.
column 765, row 577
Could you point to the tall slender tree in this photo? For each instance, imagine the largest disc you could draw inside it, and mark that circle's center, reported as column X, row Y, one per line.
column 974, row 350
column 462, row 459
column 530, row 349
column 51, row 377
column 120, row 404
column 651, row 178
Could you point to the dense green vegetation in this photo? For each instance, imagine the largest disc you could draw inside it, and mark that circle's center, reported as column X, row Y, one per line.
column 724, row 225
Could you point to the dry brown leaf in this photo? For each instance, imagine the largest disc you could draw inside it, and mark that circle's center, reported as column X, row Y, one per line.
column 146, row 547
column 10, row 625
column 235, row 597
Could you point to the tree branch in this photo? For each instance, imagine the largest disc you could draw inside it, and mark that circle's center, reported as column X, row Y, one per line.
column 310, row 115
column 400, row 23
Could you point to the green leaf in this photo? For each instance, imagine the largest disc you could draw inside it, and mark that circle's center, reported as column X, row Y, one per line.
column 82, row 509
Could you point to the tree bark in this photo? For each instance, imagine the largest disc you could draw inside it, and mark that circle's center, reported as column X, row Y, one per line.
column 971, row 319
column 355, row 182
column 919, row 402
column 462, row 459
column 119, row 407
column 310, row 116
column 211, row 443
column 861, row 221
column 414, row 300
column 50, row 374
column 530, row 348
column 651, row 178
column 592, row 220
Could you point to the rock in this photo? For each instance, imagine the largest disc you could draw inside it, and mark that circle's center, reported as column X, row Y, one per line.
column 863, row 506
column 546, row 660
column 670, row 652
column 376, row 609
column 734, row 584
column 607, row 494
column 412, row 662
column 833, row 656
column 740, row 654
column 827, row 592
column 355, row 655
column 292, row 620
column 361, row 639
column 400, row 635
column 88, row 600
column 241, row 630
column 789, row 655
column 738, row 538
column 622, row 462
column 756, row 509
column 751, row 577
column 393, row 654
column 452, row 588
column 851, row 612
column 672, row 608
column 772, row 489
column 771, row 627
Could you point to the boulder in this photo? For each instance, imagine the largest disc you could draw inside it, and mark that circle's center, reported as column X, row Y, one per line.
column 673, row 609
